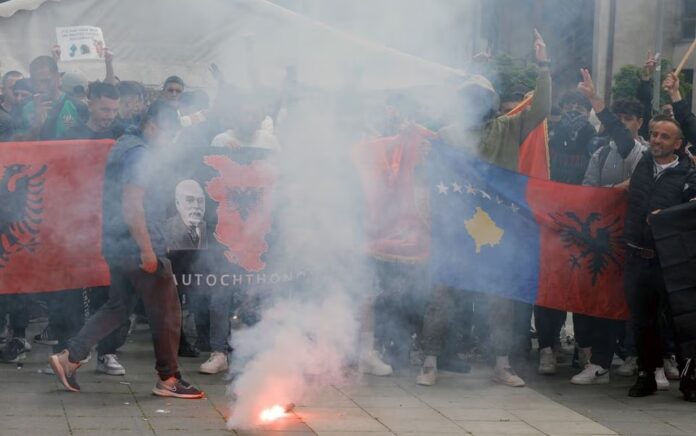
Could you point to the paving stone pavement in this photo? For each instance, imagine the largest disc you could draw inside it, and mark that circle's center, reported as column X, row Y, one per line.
column 35, row 404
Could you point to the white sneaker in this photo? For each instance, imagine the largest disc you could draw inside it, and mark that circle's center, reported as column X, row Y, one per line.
column 507, row 376
column 427, row 376
column 108, row 364
column 217, row 362
column 672, row 368
column 661, row 380
column 629, row 367
column 370, row 363
column 591, row 375
column 547, row 361
column 584, row 355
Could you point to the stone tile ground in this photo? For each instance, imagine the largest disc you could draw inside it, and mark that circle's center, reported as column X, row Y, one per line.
column 34, row 404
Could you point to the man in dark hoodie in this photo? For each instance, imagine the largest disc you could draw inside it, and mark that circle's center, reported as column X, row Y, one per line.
column 133, row 244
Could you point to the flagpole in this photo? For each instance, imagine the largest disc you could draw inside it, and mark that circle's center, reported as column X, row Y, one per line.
column 657, row 74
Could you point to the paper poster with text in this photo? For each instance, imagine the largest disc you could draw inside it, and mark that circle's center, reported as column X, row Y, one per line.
column 80, row 43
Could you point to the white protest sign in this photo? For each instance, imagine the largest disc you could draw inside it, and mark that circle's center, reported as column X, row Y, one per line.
column 80, row 43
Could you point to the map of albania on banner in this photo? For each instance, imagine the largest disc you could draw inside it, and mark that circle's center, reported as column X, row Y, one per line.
column 50, row 215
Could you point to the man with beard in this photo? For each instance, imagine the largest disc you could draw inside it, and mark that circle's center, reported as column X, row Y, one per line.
column 187, row 231
column 662, row 179
column 51, row 113
column 134, row 246
column 103, row 105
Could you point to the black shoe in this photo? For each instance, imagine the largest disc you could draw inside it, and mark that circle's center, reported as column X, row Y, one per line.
column 46, row 337
column 645, row 385
column 180, row 389
column 187, row 350
column 687, row 383
column 14, row 351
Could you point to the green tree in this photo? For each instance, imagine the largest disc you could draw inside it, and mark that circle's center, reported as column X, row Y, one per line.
column 508, row 72
column 627, row 79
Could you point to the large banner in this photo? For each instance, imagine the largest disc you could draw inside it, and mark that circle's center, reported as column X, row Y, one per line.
column 500, row 232
column 50, row 215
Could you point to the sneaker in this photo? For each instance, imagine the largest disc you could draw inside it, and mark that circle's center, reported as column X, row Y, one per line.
column 46, row 337
column 370, row 363
column 176, row 388
column 427, row 376
column 27, row 344
column 65, row 370
column 687, row 384
column 508, row 377
column 645, row 385
column 188, row 350
column 108, row 364
column 671, row 368
column 217, row 362
column 47, row 370
column 547, row 361
column 661, row 380
column 591, row 375
column 14, row 351
column 629, row 367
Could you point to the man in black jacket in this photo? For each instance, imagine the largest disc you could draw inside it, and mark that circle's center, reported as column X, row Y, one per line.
column 661, row 179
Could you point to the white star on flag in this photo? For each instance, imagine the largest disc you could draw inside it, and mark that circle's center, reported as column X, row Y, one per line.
column 498, row 199
column 485, row 195
column 470, row 189
column 514, row 207
column 456, row 187
column 442, row 189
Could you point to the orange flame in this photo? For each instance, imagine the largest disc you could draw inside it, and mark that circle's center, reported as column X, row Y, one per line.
column 272, row 413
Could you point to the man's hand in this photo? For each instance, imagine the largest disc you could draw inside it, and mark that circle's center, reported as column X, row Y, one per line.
column 540, row 47
column 108, row 55
column 671, row 86
column 148, row 262
column 217, row 73
column 41, row 110
column 483, row 57
column 587, row 88
column 56, row 52
column 649, row 67
column 623, row 185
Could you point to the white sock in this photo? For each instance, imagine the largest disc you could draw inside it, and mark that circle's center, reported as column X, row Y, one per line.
column 502, row 362
column 367, row 342
column 430, row 362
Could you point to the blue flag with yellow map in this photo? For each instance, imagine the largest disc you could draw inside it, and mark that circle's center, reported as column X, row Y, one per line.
column 546, row 243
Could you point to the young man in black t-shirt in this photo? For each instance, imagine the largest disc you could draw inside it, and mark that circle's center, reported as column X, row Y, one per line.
column 103, row 106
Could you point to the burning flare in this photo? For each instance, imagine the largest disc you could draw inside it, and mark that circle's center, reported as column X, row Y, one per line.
column 272, row 413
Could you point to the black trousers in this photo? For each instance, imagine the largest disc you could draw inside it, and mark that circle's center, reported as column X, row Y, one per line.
column 600, row 334
column 115, row 340
column 66, row 314
column 647, row 296
column 161, row 301
column 548, row 324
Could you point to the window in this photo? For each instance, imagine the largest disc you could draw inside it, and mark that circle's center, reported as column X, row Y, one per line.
column 688, row 22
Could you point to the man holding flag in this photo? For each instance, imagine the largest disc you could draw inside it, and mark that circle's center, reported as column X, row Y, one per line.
column 496, row 140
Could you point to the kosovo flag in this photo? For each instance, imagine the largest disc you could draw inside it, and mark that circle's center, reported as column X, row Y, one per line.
column 500, row 232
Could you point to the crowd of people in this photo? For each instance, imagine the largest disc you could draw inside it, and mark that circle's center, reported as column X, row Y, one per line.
column 621, row 146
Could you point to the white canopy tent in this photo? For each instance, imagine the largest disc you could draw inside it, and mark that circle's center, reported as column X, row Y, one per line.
column 252, row 41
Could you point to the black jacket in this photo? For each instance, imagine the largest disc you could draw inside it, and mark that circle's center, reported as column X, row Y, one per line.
column 646, row 194
column 683, row 115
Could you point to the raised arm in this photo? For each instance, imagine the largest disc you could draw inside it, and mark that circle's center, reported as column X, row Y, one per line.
column 540, row 108
column 682, row 111
column 612, row 124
